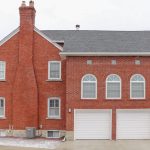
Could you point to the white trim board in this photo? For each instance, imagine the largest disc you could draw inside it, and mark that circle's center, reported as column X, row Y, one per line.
column 36, row 30
column 47, row 38
column 9, row 36
column 104, row 53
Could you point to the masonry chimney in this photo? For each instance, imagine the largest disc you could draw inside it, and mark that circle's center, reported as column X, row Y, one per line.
column 31, row 3
column 23, row 4
column 27, row 14
column 25, row 97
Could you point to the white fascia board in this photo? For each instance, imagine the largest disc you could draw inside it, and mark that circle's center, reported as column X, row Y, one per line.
column 9, row 36
column 104, row 53
column 48, row 39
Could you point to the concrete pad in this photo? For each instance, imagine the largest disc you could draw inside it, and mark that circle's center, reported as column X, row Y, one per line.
column 18, row 148
column 105, row 145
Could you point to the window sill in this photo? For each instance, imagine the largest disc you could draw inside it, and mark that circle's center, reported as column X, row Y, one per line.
column 53, row 118
column 3, row 118
column 137, row 99
column 54, row 80
column 88, row 99
column 1, row 80
column 111, row 99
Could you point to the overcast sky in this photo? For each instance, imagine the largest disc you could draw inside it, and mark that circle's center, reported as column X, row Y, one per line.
column 90, row 14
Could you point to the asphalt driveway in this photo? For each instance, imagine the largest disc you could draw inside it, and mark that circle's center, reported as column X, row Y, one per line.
column 95, row 145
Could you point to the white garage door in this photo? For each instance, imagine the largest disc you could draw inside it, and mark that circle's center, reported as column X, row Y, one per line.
column 133, row 124
column 92, row 124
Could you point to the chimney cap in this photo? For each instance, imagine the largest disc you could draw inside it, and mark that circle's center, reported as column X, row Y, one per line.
column 31, row 3
column 23, row 3
column 77, row 26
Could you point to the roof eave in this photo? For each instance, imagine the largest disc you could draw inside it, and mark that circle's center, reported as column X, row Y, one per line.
column 4, row 40
column 48, row 39
column 104, row 53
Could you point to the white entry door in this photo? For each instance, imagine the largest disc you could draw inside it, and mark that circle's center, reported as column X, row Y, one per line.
column 133, row 124
column 92, row 124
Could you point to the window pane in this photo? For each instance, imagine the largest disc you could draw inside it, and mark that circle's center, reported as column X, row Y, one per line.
column 1, row 103
column 50, row 133
column 56, row 134
column 51, row 104
column 113, row 78
column 2, row 66
column 2, row 70
column 113, row 90
column 89, row 90
column 137, row 77
column 2, row 75
column 137, row 90
column 56, row 103
column 54, row 112
column 89, row 78
column 1, row 111
column 54, row 70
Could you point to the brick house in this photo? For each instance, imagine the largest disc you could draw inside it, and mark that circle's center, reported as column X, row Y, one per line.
column 81, row 84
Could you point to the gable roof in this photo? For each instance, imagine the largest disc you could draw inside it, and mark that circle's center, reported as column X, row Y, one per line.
column 36, row 30
column 92, row 42
column 48, row 38
column 9, row 36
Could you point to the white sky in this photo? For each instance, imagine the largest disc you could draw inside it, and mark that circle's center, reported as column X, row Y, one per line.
column 90, row 14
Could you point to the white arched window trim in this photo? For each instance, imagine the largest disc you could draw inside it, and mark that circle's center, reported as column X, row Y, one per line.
column 82, row 97
column 137, row 82
column 106, row 91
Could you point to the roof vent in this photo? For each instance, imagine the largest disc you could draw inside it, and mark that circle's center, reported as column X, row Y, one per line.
column 77, row 26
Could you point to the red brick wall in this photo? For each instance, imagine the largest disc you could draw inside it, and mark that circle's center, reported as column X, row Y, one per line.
column 44, row 52
column 25, row 92
column 76, row 68
column 18, row 110
column 8, row 53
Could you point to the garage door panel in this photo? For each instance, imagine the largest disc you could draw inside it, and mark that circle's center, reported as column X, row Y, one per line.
column 92, row 124
column 133, row 124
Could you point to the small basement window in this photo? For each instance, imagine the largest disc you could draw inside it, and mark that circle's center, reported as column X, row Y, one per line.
column 53, row 134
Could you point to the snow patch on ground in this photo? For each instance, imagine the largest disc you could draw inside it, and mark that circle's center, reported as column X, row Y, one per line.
column 34, row 143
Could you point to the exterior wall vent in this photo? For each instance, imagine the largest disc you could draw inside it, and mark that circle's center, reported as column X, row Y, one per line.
column 137, row 62
column 113, row 62
column 89, row 62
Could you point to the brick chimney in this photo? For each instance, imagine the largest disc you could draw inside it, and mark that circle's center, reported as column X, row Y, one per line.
column 25, row 94
column 27, row 14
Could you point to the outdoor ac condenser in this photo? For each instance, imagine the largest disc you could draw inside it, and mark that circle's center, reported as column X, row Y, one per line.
column 30, row 132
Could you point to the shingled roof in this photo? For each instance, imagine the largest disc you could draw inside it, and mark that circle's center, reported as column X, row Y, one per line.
column 78, row 41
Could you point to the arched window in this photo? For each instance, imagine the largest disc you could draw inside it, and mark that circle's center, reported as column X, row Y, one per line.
column 89, row 87
column 113, row 87
column 137, row 87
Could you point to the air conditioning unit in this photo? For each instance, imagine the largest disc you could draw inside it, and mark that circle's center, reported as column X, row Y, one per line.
column 30, row 132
